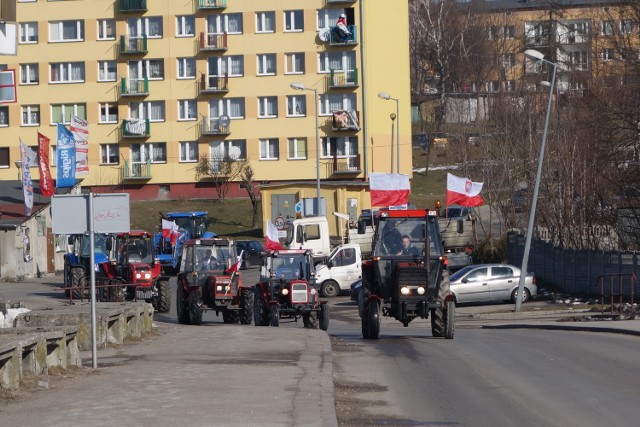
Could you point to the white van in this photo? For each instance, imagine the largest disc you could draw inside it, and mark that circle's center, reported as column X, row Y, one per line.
column 343, row 267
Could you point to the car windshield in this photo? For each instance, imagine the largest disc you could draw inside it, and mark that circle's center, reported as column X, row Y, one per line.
column 458, row 274
column 289, row 267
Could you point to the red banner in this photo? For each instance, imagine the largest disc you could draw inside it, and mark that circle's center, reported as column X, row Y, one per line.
column 46, row 182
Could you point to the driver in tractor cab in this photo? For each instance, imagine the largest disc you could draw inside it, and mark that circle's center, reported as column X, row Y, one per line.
column 208, row 262
column 287, row 269
column 391, row 238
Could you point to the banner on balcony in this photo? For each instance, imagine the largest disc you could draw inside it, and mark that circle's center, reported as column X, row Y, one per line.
column 28, row 158
column 66, row 158
column 46, row 182
column 80, row 130
column 135, row 127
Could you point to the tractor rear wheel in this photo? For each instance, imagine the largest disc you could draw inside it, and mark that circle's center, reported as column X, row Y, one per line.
column 195, row 308
column 274, row 318
column 260, row 310
column 450, row 320
column 373, row 320
column 163, row 300
column 246, row 306
column 314, row 322
column 78, row 283
column 230, row 316
column 324, row 317
column 182, row 306
column 438, row 321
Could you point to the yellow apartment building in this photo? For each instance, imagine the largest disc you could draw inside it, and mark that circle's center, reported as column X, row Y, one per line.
column 162, row 83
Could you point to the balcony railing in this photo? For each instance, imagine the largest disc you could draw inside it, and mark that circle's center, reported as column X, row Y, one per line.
column 134, row 87
column 214, row 84
column 135, row 128
column 338, row 79
column 213, row 42
column 135, row 171
column 536, row 41
column 574, row 39
column 340, row 1
column 216, row 126
column 133, row 45
column 345, row 165
column 212, row 4
column 346, row 120
column 132, row 5
column 337, row 37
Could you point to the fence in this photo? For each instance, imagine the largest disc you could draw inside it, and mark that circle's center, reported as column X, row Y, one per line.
column 573, row 271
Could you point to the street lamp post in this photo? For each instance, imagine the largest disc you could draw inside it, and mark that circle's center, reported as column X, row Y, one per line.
column 534, row 54
column 386, row 96
column 300, row 86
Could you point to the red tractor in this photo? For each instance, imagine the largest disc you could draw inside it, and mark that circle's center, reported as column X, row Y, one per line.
column 209, row 280
column 287, row 290
column 407, row 275
column 134, row 273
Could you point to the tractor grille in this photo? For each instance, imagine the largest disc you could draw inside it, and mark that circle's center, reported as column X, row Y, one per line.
column 411, row 276
column 144, row 293
column 299, row 293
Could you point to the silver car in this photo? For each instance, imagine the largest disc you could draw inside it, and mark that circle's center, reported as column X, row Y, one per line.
column 491, row 283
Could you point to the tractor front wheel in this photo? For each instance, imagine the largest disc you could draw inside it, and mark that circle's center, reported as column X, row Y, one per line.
column 163, row 300
column 450, row 320
column 195, row 308
column 78, row 283
column 324, row 317
column 274, row 318
column 373, row 320
column 246, row 306
column 260, row 310
column 182, row 305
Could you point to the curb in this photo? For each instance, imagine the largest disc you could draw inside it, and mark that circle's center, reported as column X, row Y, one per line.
column 583, row 328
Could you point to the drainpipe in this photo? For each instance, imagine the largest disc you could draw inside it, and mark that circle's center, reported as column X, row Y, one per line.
column 365, row 133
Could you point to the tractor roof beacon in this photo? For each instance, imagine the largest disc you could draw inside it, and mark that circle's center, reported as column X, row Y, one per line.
column 406, row 284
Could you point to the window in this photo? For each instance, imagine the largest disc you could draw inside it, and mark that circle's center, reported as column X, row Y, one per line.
column 4, row 157
column 109, row 154
column 187, row 109
column 328, row 18
column 267, row 64
column 342, row 147
column 267, row 107
column 235, row 149
column 66, row 31
column 336, row 61
column 106, row 29
column 189, row 151
column 508, row 32
column 155, row 152
column 108, row 113
column 185, row 26
column 186, row 68
column 269, row 149
column 579, row 60
column 107, row 71
column 233, row 66
column 30, row 115
column 492, row 32
column 265, row 22
column 153, row 69
column 232, row 107
column 293, row 20
column 154, row 111
column 29, row 74
column 67, row 72
column 336, row 102
column 297, row 148
column 493, row 86
column 61, row 113
column 509, row 60
column 626, row 26
column 296, row 105
column 607, row 28
column 230, row 23
column 607, row 54
column 149, row 26
column 294, row 63
column 28, row 32
column 509, row 86
column 4, row 116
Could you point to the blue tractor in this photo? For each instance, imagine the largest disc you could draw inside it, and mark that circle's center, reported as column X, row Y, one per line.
column 190, row 225
column 77, row 262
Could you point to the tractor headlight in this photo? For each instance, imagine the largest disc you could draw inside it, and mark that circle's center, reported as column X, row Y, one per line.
column 405, row 290
column 219, row 288
column 138, row 276
column 420, row 290
column 147, row 275
column 285, row 291
column 313, row 291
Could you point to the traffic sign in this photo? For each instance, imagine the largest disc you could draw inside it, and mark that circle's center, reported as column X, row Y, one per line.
column 279, row 223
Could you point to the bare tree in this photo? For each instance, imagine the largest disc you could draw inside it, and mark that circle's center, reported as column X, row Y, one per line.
column 221, row 172
column 253, row 190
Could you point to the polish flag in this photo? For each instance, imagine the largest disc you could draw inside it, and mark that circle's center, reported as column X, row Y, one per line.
column 170, row 230
column 271, row 239
column 388, row 189
column 236, row 266
column 463, row 192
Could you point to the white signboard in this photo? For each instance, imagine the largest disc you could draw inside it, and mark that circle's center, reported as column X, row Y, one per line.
column 70, row 213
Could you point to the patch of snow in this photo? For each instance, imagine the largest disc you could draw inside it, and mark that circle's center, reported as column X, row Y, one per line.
column 6, row 321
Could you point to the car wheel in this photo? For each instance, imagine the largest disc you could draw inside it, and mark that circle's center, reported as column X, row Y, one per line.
column 330, row 289
column 525, row 295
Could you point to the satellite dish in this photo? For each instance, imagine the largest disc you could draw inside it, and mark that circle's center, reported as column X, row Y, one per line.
column 324, row 35
column 234, row 153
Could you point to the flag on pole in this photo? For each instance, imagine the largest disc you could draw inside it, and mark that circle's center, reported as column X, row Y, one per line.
column 80, row 130
column 170, row 230
column 271, row 240
column 388, row 189
column 46, row 182
column 28, row 158
column 236, row 265
column 463, row 192
column 66, row 161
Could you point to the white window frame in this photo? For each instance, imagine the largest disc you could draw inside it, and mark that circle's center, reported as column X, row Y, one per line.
column 183, row 22
column 187, row 110
column 69, row 110
column 147, row 152
column 140, row 27
column 66, row 69
column 104, row 25
column 348, row 101
column 327, row 18
column 607, row 54
column 224, row 23
column 26, row 71
column 32, row 113
column 263, row 60
column 228, row 107
column 293, row 153
column 509, row 60
column 269, row 149
column 293, row 21
column 626, row 26
column 508, row 32
column 106, row 154
column 28, row 33
column 60, row 26
column 267, row 107
column 226, row 65
column 185, row 64
column 107, row 116
column 265, row 22
column 606, row 27
column 187, row 151
column 347, row 60
column 103, row 71
column 154, row 111
column 222, row 149
column 290, row 60
column 344, row 143
column 296, row 105
column 140, row 69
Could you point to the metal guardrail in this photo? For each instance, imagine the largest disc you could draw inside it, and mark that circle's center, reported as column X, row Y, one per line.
column 613, row 287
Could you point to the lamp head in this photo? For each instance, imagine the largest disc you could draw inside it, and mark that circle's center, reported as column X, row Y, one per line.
column 18, row 163
column 532, row 53
column 384, row 95
column 297, row 86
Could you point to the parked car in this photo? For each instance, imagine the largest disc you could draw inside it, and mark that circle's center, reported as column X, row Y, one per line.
column 491, row 283
column 252, row 250
column 456, row 212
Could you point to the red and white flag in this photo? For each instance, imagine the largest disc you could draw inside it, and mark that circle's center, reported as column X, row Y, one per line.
column 46, row 182
column 389, row 189
column 463, row 192
column 271, row 240
column 80, row 130
column 236, row 265
column 170, row 230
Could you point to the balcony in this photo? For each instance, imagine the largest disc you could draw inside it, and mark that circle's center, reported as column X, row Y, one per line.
column 210, row 42
column 135, row 128
column 345, row 121
column 345, row 165
column 342, row 79
column 216, row 126
column 338, row 38
column 134, row 87
column 211, row 4
column 132, row 5
column 133, row 45
column 569, row 39
column 330, row 2
column 135, row 171
column 214, row 84
column 536, row 41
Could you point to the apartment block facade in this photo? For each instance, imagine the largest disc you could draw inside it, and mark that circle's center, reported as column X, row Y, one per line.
column 163, row 83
